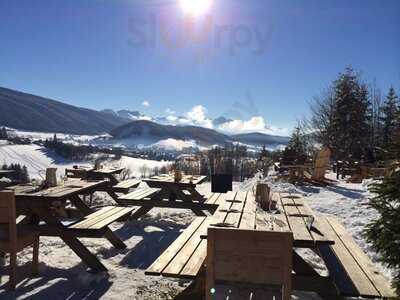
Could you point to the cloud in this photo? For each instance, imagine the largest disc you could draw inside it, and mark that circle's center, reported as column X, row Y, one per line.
column 146, row 103
column 197, row 115
column 254, row 124
column 169, row 111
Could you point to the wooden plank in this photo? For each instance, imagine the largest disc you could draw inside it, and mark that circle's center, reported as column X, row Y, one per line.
column 381, row 284
column 169, row 254
column 235, row 212
column 111, row 219
column 195, row 262
column 96, row 217
column 129, row 183
column 355, row 282
column 297, row 226
column 140, row 193
column 175, row 267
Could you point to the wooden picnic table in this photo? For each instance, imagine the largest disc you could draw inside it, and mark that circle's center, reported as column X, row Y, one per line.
column 185, row 258
column 39, row 206
column 184, row 190
column 98, row 174
column 148, row 198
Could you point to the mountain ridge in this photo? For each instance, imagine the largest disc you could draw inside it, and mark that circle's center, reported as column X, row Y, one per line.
column 30, row 112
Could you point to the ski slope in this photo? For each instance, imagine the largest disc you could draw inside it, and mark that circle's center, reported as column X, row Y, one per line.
column 34, row 158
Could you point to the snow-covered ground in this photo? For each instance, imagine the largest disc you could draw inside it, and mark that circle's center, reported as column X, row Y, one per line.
column 62, row 276
column 34, row 157
column 69, row 138
column 37, row 159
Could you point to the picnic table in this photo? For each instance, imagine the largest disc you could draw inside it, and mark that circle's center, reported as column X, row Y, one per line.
column 39, row 207
column 350, row 271
column 98, row 174
column 184, row 190
column 113, row 187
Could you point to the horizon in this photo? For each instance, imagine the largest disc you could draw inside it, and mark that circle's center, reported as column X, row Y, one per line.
column 248, row 62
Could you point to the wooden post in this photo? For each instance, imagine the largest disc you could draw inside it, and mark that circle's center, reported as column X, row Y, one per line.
column 263, row 195
column 51, row 177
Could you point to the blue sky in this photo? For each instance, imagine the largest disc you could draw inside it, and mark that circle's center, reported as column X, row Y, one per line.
column 242, row 59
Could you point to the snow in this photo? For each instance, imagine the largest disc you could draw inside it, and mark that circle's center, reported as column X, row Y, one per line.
column 63, row 276
column 174, row 144
column 137, row 165
column 37, row 159
column 70, row 138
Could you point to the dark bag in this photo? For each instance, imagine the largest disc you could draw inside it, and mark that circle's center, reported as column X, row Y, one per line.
column 221, row 183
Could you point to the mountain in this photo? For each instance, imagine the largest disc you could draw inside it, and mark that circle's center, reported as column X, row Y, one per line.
column 220, row 120
column 125, row 114
column 33, row 113
column 256, row 138
column 147, row 132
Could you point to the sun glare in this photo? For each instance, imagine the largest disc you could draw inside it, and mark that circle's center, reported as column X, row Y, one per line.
column 195, row 7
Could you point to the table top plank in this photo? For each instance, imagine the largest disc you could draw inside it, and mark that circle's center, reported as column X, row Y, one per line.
column 68, row 188
column 296, row 223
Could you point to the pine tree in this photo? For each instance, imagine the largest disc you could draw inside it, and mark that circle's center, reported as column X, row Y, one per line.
column 3, row 134
column 390, row 111
column 343, row 118
column 384, row 231
column 351, row 126
column 296, row 150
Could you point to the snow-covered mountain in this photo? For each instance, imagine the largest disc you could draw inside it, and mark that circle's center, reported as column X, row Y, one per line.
column 147, row 133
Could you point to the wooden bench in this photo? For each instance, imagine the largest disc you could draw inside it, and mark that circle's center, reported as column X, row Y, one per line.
column 126, row 185
column 353, row 272
column 135, row 197
column 95, row 224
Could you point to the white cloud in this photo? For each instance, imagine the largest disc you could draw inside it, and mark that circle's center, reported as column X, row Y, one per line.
column 197, row 115
column 254, row 124
column 146, row 103
column 171, row 118
column 169, row 111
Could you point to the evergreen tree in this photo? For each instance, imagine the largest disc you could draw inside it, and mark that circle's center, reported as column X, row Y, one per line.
column 384, row 231
column 296, row 150
column 390, row 111
column 3, row 134
column 342, row 119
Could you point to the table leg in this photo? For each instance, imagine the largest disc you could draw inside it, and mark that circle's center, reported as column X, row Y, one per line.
column 109, row 235
column 87, row 257
column 140, row 212
column 306, row 278
column 196, row 290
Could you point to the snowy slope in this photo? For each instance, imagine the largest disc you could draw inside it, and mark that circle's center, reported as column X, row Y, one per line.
column 34, row 157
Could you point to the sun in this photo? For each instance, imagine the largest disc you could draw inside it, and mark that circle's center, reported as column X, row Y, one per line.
column 195, row 7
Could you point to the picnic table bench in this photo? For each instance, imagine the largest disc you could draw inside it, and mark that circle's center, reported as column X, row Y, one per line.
column 186, row 256
column 39, row 208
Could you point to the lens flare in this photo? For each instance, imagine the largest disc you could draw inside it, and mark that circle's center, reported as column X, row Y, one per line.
column 195, row 7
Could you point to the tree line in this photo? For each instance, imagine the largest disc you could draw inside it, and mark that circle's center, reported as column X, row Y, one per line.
column 353, row 119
